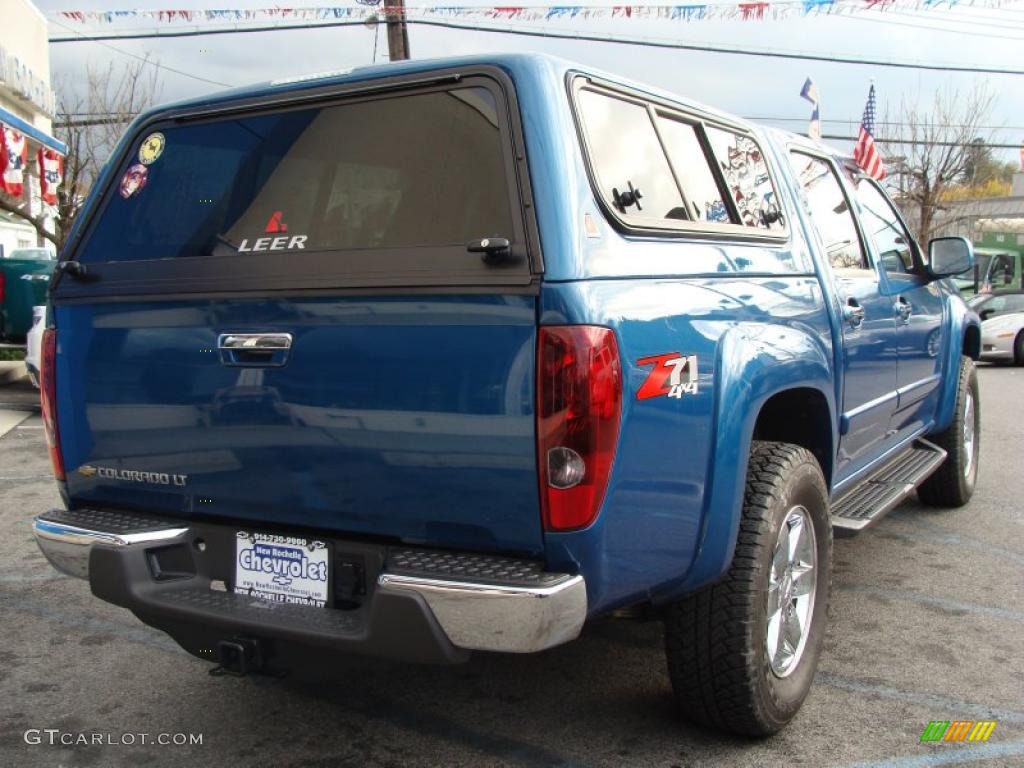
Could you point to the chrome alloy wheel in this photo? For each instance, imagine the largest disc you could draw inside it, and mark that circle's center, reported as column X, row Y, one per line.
column 791, row 586
column 969, row 434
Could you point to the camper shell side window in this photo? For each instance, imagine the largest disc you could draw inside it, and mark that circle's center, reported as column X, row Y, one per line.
column 660, row 169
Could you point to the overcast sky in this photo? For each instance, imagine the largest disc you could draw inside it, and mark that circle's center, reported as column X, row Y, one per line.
column 752, row 87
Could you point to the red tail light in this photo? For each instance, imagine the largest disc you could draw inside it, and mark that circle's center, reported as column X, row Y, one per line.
column 48, row 398
column 579, row 401
column 3, row 287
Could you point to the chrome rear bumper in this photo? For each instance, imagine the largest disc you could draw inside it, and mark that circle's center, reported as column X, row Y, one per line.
column 480, row 602
column 67, row 545
column 493, row 617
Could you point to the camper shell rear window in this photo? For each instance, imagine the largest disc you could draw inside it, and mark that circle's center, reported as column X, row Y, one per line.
column 388, row 185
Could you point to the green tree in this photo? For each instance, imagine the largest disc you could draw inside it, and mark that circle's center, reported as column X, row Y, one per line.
column 981, row 168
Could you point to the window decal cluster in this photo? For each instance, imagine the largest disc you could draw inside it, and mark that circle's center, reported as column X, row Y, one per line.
column 746, row 174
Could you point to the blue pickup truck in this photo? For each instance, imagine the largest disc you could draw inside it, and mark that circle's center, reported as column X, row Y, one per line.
column 458, row 355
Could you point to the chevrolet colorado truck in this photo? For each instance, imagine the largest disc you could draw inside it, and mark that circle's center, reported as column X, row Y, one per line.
column 458, row 355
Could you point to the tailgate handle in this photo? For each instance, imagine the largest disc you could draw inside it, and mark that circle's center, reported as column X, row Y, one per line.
column 254, row 349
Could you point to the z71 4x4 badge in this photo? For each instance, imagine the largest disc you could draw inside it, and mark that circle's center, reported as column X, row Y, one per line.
column 673, row 374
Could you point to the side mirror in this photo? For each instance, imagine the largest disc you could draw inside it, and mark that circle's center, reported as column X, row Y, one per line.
column 949, row 256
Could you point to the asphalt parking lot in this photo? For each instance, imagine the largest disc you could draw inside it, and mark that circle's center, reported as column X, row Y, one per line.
column 927, row 620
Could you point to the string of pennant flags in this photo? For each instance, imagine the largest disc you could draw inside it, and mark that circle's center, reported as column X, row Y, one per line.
column 759, row 10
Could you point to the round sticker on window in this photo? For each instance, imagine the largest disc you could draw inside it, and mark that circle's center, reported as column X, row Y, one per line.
column 151, row 149
column 134, row 180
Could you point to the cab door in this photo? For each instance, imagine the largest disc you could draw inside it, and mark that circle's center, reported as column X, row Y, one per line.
column 868, row 324
column 917, row 306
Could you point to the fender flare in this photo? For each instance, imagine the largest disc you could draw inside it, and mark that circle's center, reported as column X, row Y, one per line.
column 961, row 318
column 750, row 369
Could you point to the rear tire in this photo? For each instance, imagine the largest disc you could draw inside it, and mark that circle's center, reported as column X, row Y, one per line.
column 952, row 484
column 726, row 671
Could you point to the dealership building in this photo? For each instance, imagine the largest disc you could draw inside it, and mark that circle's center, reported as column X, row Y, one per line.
column 31, row 159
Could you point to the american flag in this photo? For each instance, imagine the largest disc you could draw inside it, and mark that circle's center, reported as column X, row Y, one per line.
column 865, row 153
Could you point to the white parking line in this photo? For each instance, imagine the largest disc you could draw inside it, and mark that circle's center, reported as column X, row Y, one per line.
column 10, row 419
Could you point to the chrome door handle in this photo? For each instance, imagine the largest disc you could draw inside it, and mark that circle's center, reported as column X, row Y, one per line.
column 254, row 349
column 903, row 309
column 853, row 314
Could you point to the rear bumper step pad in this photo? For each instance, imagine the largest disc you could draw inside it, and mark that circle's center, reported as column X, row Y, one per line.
column 420, row 604
column 870, row 501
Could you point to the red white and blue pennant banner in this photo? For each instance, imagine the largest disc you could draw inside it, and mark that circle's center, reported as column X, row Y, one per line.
column 365, row 9
column 14, row 166
column 51, row 174
column 13, row 160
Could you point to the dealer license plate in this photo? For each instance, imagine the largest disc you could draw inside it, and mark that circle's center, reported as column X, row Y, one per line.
column 284, row 569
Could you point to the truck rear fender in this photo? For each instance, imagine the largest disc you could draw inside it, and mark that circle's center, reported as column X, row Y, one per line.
column 760, row 370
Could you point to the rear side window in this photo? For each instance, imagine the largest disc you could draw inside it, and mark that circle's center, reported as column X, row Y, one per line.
column 695, row 175
column 658, row 168
column 747, row 178
column 410, row 171
column 627, row 158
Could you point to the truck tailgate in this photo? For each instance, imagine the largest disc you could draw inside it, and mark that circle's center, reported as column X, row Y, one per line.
column 401, row 417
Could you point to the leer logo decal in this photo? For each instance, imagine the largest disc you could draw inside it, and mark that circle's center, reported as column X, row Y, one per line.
column 275, row 226
column 673, row 374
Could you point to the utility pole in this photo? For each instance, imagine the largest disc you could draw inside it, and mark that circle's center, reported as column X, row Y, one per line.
column 398, row 32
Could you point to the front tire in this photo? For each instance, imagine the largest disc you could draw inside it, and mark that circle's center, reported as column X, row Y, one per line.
column 1018, row 349
column 743, row 651
column 952, row 484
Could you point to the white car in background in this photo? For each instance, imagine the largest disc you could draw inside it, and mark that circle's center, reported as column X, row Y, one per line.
column 1002, row 338
column 34, row 344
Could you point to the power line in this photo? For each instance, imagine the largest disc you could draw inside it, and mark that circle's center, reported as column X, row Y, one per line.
column 959, row 19
column 931, row 28
column 918, row 143
column 94, row 121
column 856, row 120
column 143, row 59
column 648, row 43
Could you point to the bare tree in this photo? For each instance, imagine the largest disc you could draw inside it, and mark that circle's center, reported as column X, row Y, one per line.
column 936, row 146
column 91, row 117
